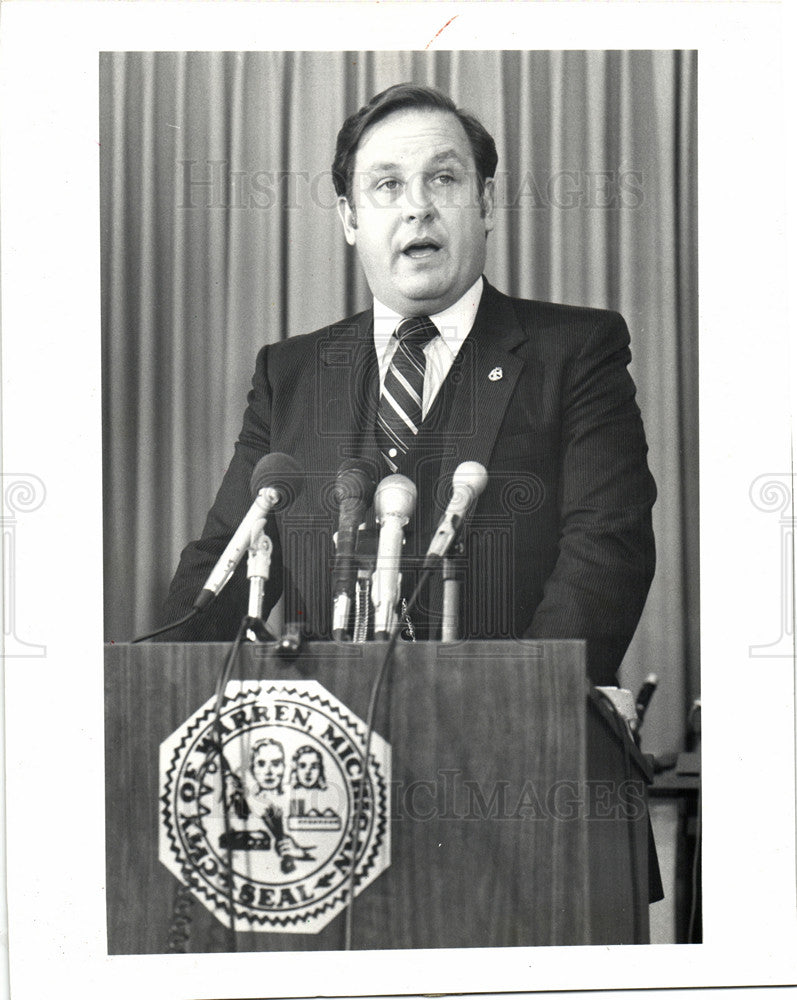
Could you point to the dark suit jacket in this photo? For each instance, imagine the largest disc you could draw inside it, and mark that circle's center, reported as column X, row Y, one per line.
column 560, row 544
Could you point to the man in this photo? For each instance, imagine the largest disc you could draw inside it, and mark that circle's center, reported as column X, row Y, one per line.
column 560, row 544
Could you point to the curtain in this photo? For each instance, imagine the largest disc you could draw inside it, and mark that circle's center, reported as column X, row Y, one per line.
column 219, row 234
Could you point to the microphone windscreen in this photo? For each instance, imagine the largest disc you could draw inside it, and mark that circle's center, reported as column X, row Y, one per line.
column 472, row 474
column 281, row 473
column 355, row 480
column 395, row 495
column 467, row 482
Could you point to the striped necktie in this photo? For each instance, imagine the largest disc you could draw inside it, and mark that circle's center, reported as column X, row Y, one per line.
column 401, row 403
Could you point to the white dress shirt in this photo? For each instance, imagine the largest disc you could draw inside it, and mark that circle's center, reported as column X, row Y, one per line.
column 453, row 324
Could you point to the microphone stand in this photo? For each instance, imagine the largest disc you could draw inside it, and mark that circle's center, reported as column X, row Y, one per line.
column 452, row 595
column 366, row 564
column 258, row 569
column 345, row 596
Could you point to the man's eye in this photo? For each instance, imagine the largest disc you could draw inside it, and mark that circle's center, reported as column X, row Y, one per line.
column 444, row 179
column 388, row 184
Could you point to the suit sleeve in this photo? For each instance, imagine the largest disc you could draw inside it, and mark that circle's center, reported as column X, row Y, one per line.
column 219, row 622
column 606, row 558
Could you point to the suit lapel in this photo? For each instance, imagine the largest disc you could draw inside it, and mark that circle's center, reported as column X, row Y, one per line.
column 488, row 376
column 348, row 385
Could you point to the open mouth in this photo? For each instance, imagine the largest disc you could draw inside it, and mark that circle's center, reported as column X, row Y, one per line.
column 418, row 249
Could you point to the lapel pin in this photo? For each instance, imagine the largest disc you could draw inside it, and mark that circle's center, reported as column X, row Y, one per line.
column 496, row 374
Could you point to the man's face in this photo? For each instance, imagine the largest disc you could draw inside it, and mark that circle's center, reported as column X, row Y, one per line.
column 417, row 219
column 308, row 770
column 268, row 767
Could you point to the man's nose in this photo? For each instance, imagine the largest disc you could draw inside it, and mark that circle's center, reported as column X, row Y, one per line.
column 418, row 203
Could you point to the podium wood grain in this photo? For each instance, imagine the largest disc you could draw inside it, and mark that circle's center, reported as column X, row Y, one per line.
column 509, row 800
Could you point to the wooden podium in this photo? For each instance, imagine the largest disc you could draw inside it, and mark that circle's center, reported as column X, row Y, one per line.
column 518, row 803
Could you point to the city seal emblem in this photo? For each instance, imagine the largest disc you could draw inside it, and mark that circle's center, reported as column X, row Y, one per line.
column 258, row 807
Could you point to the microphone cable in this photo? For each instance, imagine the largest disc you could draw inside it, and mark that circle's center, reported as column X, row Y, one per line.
column 180, row 925
column 179, row 930
column 369, row 729
column 167, row 628
column 221, row 685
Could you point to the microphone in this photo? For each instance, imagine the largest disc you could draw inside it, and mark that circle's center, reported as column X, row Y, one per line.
column 468, row 483
column 276, row 482
column 394, row 503
column 354, row 491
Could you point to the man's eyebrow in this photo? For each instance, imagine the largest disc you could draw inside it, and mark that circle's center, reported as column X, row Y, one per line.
column 446, row 155
column 383, row 166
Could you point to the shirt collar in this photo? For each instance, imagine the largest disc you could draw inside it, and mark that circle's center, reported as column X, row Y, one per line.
column 453, row 324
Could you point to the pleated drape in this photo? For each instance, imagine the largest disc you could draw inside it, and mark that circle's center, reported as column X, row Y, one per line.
column 219, row 234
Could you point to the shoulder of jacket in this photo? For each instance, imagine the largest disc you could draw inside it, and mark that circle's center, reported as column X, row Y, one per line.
column 344, row 329
column 538, row 312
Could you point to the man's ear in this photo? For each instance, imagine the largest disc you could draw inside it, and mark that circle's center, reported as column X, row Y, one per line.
column 349, row 219
column 488, row 204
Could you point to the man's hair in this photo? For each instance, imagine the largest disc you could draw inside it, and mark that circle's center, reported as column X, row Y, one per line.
column 398, row 98
column 268, row 742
